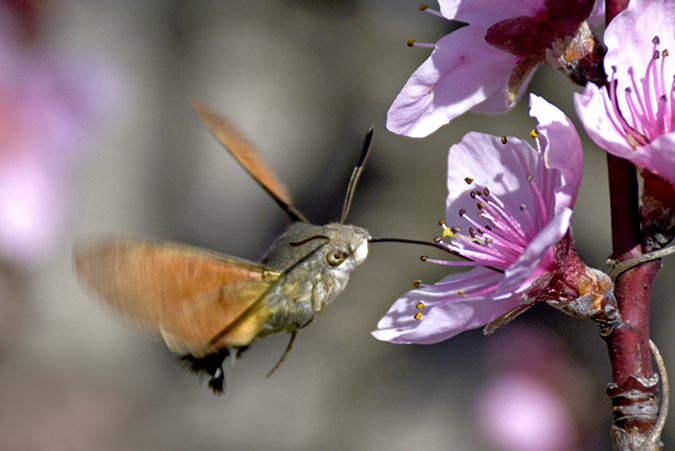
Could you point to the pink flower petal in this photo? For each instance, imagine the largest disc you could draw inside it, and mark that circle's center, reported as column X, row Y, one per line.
column 629, row 37
column 462, row 71
column 595, row 111
column 496, row 102
column 487, row 12
column 562, row 149
column 448, row 319
column 660, row 156
column 490, row 163
column 538, row 256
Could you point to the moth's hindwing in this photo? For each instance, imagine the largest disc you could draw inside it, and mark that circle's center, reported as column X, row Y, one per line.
column 186, row 294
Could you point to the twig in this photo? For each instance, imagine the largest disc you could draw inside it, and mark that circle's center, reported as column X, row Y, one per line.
column 654, row 436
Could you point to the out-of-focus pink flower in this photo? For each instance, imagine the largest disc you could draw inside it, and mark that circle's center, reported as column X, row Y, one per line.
column 508, row 206
column 517, row 412
column 536, row 398
column 49, row 102
column 486, row 65
column 634, row 116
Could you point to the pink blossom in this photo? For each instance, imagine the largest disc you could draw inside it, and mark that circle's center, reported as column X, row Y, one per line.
column 518, row 412
column 48, row 103
column 525, row 198
column 485, row 66
column 634, row 116
column 534, row 397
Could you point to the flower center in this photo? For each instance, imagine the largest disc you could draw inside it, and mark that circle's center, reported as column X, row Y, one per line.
column 496, row 236
column 649, row 103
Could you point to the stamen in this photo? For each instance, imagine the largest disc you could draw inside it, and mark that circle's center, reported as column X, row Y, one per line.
column 528, row 217
column 424, row 7
column 628, row 130
column 540, row 203
column 418, row 316
column 416, row 284
column 503, row 139
column 468, row 180
column 469, row 286
column 534, row 133
column 664, row 106
column 505, row 221
column 452, row 262
column 420, row 305
column 447, row 232
column 413, row 43
column 649, row 110
column 492, row 255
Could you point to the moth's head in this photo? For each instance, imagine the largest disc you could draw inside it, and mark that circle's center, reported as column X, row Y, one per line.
column 333, row 247
column 347, row 246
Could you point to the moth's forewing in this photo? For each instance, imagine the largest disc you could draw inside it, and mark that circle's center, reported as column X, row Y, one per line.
column 240, row 149
column 187, row 294
column 247, row 156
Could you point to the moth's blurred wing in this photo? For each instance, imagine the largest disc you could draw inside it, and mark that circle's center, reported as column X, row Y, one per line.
column 186, row 294
column 247, row 156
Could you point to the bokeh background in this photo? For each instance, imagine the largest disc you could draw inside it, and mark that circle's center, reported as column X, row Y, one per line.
column 96, row 136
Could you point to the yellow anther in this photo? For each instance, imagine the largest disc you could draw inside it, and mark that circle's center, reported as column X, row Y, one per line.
column 468, row 180
column 417, row 283
column 423, row 6
column 503, row 139
column 420, row 305
column 448, row 232
column 410, row 43
column 418, row 316
column 534, row 133
column 460, row 292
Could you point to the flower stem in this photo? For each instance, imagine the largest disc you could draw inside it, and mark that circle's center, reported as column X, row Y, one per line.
column 633, row 390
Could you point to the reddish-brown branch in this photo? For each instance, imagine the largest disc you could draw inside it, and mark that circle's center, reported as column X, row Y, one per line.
column 633, row 391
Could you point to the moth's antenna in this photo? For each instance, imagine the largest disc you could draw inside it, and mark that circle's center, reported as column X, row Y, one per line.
column 365, row 150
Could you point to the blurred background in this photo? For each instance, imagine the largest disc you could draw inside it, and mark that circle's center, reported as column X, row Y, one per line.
column 96, row 136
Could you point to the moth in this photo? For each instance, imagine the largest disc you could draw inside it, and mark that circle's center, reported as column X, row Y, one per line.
column 208, row 306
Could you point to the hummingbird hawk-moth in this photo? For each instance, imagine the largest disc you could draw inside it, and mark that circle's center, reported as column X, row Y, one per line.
column 208, row 306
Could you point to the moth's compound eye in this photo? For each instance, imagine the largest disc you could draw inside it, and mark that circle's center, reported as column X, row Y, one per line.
column 335, row 257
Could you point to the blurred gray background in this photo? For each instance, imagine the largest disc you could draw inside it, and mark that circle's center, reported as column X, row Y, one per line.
column 303, row 79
